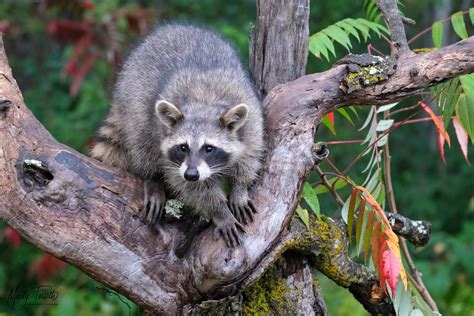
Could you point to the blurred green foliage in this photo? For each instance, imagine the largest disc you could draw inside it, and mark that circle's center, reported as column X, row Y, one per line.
column 425, row 188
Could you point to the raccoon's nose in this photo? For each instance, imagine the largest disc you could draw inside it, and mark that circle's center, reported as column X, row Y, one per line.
column 191, row 174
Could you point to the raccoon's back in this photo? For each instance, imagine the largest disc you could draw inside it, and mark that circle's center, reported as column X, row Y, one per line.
column 169, row 59
column 165, row 51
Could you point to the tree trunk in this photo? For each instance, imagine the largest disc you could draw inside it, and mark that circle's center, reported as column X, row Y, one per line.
column 278, row 51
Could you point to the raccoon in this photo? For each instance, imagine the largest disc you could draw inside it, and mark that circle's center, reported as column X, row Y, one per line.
column 186, row 118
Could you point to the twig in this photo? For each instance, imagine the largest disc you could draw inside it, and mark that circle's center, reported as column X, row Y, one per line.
column 430, row 28
column 393, row 207
column 333, row 166
column 417, row 232
column 394, row 21
column 371, row 47
column 417, row 277
column 361, row 154
column 407, row 108
column 343, row 142
column 326, row 183
column 388, row 173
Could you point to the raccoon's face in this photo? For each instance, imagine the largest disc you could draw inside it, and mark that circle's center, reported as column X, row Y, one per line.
column 198, row 148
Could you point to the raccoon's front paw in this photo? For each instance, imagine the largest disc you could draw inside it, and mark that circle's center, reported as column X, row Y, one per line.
column 229, row 230
column 154, row 202
column 242, row 208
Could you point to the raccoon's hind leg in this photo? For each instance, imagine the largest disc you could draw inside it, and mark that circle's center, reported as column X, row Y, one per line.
column 154, row 201
column 108, row 146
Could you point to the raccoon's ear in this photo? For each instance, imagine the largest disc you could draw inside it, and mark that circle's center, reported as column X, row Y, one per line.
column 235, row 117
column 168, row 113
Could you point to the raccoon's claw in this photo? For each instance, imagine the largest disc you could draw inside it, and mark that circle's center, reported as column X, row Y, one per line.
column 154, row 202
column 230, row 232
column 153, row 210
column 243, row 213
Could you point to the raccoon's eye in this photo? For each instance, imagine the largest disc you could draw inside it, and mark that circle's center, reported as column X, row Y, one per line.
column 209, row 149
column 183, row 147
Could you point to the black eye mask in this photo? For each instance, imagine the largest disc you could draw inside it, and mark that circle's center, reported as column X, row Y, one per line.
column 215, row 157
column 176, row 155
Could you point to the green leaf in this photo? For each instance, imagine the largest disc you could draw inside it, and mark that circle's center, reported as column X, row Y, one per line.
column 374, row 26
column 303, row 215
column 465, row 112
column 405, row 303
column 457, row 20
column 310, row 197
column 471, row 15
column 336, row 183
column 349, row 28
column 367, row 120
column 350, row 213
column 329, row 124
column 437, row 34
column 363, row 29
column 371, row 10
column 371, row 162
column 386, row 107
column 372, row 183
column 339, row 36
column 383, row 125
column 382, row 141
column 327, row 43
column 361, row 222
column 368, row 233
column 447, row 95
column 374, row 14
column 346, row 115
column 467, row 82
column 354, row 110
column 316, row 47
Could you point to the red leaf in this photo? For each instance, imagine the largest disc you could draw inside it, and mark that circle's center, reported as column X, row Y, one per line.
column 139, row 20
column 330, row 116
column 12, row 236
column 82, row 72
column 68, row 31
column 461, row 135
column 88, row 4
column 4, row 27
column 80, row 49
column 391, row 269
column 438, row 122
column 376, row 242
column 47, row 267
column 382, row 276
column 441, row 146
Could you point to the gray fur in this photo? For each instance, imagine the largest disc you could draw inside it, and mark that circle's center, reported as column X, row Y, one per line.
column 200, row 73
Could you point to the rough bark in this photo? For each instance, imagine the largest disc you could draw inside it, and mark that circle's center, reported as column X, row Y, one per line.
column 83, row 211
column 279, row 42
column 393, row 19
column 280, row 37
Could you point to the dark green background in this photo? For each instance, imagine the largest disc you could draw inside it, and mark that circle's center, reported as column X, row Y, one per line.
column 425, row 188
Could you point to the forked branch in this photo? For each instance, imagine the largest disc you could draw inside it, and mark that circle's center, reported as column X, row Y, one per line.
column 83, row 212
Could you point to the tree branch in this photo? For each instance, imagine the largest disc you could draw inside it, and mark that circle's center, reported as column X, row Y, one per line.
column 327, row 242
column 318, row 94
column 394, row 20
column 83, row 212
column 416, row 232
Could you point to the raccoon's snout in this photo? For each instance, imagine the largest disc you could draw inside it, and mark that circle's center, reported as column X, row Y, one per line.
column 191, row 174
